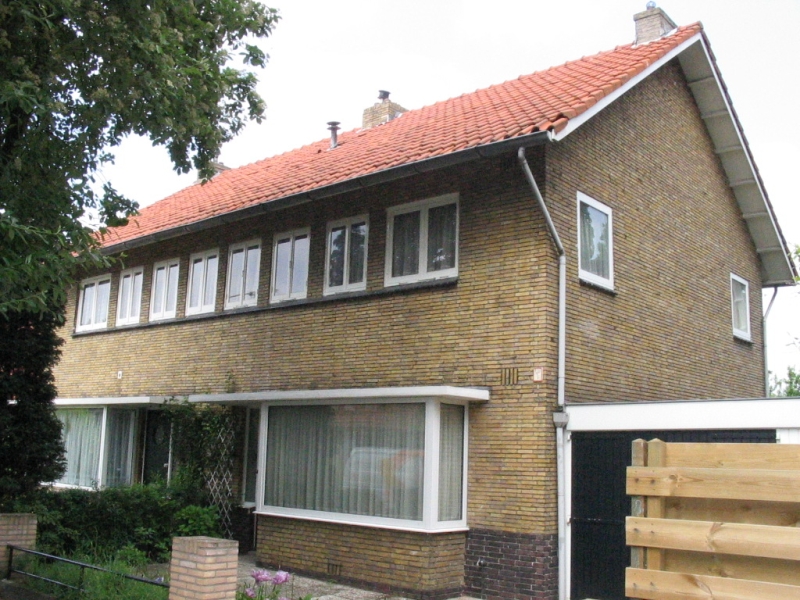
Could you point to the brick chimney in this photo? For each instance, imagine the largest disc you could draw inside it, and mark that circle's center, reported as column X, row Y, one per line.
column 652, row 24
column 381, row 112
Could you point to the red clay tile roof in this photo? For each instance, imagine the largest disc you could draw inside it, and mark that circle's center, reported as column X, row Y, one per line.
column 537, row 102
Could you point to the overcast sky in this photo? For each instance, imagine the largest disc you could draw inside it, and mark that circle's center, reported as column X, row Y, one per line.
column 329, row 59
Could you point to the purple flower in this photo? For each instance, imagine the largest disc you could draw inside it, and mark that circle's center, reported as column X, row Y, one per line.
column 261, row 576
column 280, row 578
column 250, row 592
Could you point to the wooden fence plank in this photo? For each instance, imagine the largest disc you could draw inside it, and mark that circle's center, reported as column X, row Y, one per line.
column 705, row 536
column 656, row 507
column 663, row 585
column 734, row 456
column 638, row 459
column 736, row 484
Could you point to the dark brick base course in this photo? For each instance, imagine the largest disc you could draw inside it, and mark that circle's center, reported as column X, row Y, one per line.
column 511, row 566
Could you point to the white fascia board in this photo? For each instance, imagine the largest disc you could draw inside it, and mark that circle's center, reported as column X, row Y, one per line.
column 573, row 124
column 118, row 401
column 758, row 413
column 432, row 391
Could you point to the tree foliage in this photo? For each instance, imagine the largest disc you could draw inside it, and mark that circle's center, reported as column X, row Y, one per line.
column 76, row 77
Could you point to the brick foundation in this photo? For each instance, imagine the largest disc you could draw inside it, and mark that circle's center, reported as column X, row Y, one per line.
column 426, row 566
column 17, row 530
column 203, row 568
column 511, row 566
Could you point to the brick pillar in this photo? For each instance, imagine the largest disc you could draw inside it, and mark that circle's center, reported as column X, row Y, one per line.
column 17, row 529
column 203, row 568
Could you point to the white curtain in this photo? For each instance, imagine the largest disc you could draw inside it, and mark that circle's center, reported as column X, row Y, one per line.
column 81, row 433
column 451, row 462
column 353, row 459
column 442, row 237
column 405, row 242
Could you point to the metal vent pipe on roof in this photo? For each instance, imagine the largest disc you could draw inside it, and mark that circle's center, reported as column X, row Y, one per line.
column 333, row 127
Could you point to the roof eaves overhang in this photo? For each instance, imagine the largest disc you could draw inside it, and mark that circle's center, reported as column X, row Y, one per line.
column 356, row 183
column 714, row 102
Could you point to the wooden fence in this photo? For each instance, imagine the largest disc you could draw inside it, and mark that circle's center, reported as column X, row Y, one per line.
column 717, row 521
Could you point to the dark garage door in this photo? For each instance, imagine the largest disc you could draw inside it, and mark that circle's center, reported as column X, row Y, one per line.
column 600, row 505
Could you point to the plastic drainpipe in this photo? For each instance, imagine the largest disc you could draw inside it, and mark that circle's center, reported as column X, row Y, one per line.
column 764, row 338
column 559, row 418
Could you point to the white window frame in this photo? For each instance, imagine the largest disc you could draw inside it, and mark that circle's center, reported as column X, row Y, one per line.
column 346, row 286
column 243, row 246
column 166, row 313
column 204, row 257
column 251, row 414
column 588, row 276
column 742, row 334
column 294, row 234
column 423, row 207
column 102, row 466
column 92, row 281
column 128, row 302
column 430, row 506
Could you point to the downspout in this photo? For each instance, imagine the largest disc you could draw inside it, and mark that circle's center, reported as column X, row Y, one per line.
column 560, row 418
column 764, row 339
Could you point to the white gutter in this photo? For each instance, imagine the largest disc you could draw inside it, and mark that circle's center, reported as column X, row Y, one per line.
column 560, row 418
column 764, row 341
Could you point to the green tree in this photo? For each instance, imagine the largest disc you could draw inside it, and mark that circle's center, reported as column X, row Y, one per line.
column 788, row 386
column 77, row 77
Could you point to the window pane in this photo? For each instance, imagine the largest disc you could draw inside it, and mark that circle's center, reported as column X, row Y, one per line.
column 300, row 264
column 197, row 283
column 283, row 257
column 87, row 308
column 237, row 275
column 251, row 465
column 353, row 459
column 101, row 304
column 405, row 250
column 81, row 434
column 136, row 299
column 210, row 292
column 442, row 237
column 251, row 280
column 594, row 242
column 172, row 289
column 119, row 447
column 336, row 258
column 125, row 297
column 158, row 290
column 358, row 239
column 451, row 462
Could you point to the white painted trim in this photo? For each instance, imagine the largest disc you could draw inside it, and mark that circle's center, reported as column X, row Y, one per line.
column 573, row 124
column 742, row 334
column 292, row 235
column 435, row 391
column 758, row 413
column 166, row 312
column 203, row 257
column 361, row 520
column 789, row 436
column 605, row 282
column 100, row 402
column 129, row 301
column 92, row 281
column 327, row 289
column 423, row 207
column 244, row 247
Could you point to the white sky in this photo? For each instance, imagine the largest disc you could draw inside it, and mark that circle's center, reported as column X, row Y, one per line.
column 329, row 59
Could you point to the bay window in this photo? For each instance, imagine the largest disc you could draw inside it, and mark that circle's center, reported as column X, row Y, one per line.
column 397, row 463
column 93, row 303
column 99, row 444
column 422, row 240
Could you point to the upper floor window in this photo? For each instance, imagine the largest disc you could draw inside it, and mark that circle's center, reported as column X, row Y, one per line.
column 201, row 291
column 164, row 298
column 595, row 242
column 130, row 296
column 740, row 307
column 244, row 261
column 93, row 303
column 422, row 240
column 290, row 265
column 346, row 266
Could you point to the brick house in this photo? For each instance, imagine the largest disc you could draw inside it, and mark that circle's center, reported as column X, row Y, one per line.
column 405, row 314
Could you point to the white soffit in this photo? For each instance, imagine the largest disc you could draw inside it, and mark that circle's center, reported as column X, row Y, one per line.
column 118, row 401
column 759, row 413
column 355, row 394
column 730, row 145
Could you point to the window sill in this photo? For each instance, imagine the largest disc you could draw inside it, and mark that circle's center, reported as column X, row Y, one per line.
column 746, row 341
column 356, row 522
column 287, row 304
column 598, row 287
